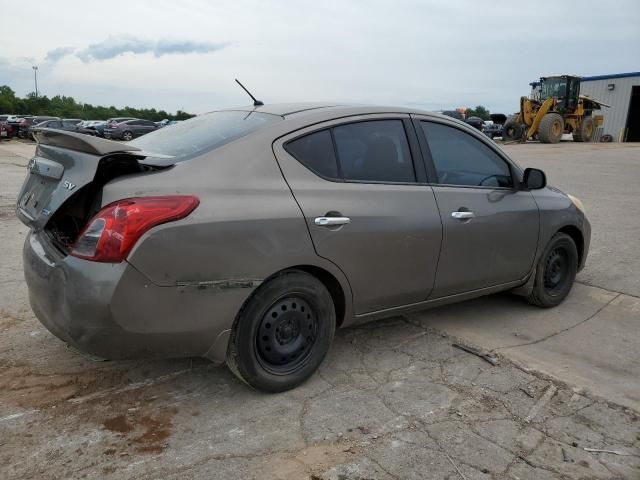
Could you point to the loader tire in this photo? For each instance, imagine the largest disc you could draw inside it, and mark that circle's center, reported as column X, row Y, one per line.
column 551, row 128
column 512, row 130
column 585, row 130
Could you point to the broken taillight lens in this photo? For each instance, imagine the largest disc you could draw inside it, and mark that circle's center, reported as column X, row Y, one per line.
column 113, row 231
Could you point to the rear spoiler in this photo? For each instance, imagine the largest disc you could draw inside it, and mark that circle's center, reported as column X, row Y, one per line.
column 81, row 142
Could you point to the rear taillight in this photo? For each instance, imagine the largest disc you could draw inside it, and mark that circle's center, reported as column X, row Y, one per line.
column 113, row 231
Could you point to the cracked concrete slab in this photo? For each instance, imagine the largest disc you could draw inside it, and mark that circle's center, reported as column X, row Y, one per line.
column 586, row 341
column 393, row 400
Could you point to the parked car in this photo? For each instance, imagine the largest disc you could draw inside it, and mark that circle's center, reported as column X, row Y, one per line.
column 18, row 123
column 27, row 122
column 492, row 130
column 129, row 129
column 475, row 122
column 89, row 127
column 68, row 125
column 279, row 224
column 6, row 130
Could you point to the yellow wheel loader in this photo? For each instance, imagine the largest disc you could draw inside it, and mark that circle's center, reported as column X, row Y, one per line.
column 555, row 108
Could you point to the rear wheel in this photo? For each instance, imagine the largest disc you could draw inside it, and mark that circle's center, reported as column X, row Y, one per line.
column 512, row 130
column 585, row 130
column 551, row 128
column 127, row 136
column 283, row 333
column 555, row 272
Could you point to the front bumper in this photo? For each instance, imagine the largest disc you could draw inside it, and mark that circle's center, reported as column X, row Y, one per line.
column 114, row 311
column 586, row 240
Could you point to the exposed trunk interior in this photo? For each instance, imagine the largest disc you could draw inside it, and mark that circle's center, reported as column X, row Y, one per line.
column 69, row 220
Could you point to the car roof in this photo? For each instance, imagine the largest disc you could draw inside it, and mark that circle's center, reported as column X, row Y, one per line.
column 298, row 110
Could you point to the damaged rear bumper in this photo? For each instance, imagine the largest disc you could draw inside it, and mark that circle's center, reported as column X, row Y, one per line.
column 114, row 311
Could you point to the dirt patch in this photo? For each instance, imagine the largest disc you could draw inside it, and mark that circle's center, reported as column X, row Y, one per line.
column 309, row 462
column 27, row 388
column 147, row 432
column 7, row 321
column 118, row 424
column 7, row 212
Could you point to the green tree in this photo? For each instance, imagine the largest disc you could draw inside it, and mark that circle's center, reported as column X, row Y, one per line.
column 8, row 100
column 479, row 111
column 68, row 107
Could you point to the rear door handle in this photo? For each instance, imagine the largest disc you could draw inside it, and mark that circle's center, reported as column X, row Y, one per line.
column 462, row 215
column 331, row 221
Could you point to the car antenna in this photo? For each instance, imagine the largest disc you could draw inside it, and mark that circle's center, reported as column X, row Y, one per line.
column 256, row 103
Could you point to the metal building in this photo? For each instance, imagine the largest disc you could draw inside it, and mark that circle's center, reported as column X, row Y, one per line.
column 622, row 92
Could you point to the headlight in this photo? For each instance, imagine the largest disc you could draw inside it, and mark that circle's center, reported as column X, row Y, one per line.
column 576, row 201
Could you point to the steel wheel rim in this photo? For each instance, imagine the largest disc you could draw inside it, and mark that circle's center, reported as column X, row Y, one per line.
column 556, row 271
column 286, row 335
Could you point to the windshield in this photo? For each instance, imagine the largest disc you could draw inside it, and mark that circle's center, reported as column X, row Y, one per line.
column 203, row 133
column 553, row 87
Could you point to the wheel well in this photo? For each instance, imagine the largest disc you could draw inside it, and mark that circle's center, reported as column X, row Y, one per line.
column 576, row 236
column 332, row 284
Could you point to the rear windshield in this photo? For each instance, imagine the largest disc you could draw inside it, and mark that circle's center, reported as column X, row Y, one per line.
column 203, row 133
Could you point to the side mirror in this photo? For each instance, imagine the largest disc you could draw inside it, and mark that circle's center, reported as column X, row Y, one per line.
column 534, row 179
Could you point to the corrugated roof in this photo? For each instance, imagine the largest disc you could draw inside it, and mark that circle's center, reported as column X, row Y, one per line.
column 611, row 76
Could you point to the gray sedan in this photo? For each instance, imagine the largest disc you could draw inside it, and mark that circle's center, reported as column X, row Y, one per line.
column 129, row 129
column 250, row 235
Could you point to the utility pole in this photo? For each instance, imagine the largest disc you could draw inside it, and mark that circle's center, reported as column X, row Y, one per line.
column 35, row 78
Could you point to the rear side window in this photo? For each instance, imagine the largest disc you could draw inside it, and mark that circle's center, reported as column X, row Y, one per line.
column 315, row 151
column 374, row 151
column 461, row 159
column 203, row 133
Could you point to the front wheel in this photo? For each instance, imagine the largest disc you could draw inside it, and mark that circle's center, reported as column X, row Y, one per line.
column 283, row 332
column 555, row 272
column 551, row 128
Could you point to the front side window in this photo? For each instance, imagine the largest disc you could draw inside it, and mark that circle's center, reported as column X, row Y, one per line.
column 375, row 150
column 461, row 159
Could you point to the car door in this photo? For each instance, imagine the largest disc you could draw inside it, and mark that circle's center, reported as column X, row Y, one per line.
column 146, row 127
column 490, row 224
column 367, row 206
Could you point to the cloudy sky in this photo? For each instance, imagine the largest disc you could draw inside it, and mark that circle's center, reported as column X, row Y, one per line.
column 429, row 54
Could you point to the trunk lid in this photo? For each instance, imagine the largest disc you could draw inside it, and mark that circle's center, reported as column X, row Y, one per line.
column 64, row 163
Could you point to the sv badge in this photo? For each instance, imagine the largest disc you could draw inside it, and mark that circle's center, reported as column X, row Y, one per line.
column 68, row 185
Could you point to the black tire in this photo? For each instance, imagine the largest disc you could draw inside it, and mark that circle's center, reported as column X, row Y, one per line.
column 551, row 128
column 512, row 130
column 555, row 272
column 585, row 131
column 127, row 136
column 282, row 333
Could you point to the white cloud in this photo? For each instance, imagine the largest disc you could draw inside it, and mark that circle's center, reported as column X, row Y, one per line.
column 117, row 45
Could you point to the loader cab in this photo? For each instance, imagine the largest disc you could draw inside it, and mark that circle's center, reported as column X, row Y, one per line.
column 564, row 88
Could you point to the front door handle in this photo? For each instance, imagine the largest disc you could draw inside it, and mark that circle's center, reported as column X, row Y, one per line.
column 462, row 215
column 331, row 221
